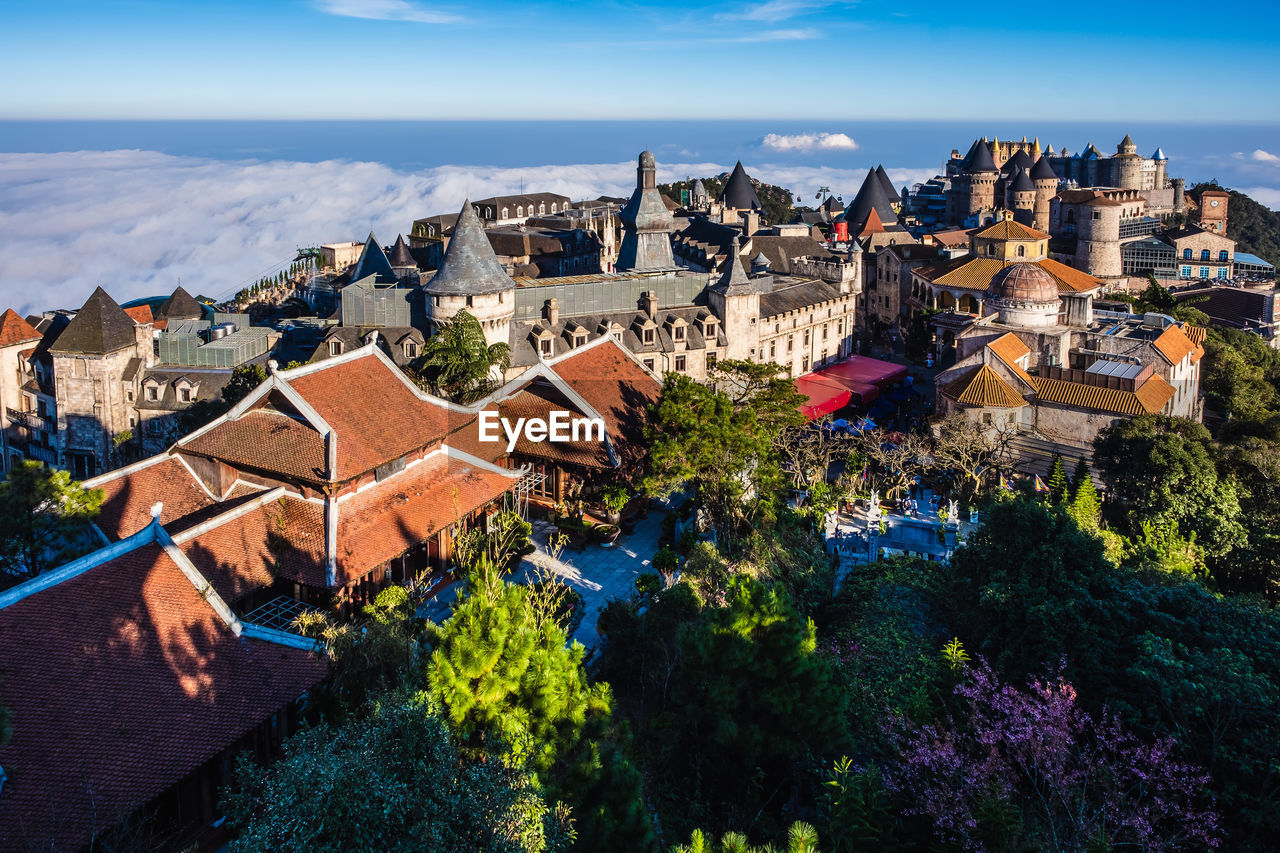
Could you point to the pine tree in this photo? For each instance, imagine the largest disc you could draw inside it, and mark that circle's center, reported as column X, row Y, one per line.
column 1085, row 505
column 1058, row 483
column 1078, row 476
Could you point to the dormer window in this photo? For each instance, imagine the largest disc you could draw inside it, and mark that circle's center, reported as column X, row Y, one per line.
column 544, row 347
column 335, row 347
column 580, row 339
column 153, row 393
column 709, row 329
column 184, row 394
column 410, row 349
column 646, row 335
column 677, row 333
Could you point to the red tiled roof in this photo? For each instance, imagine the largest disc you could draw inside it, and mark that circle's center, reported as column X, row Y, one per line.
column 282, row 539
column 15, row 330
column 121, row 681
column 141, row 314
column 985, row 388
column 381, row 522
column 1069, row 279
column 538, row 401
column 128, row 498
column 376, row 416
column 268, row 441
column 1174, row 345
column 1149, row 398
column 619, row 389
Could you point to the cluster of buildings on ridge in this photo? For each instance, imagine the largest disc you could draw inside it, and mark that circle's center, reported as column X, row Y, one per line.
column 335, row 478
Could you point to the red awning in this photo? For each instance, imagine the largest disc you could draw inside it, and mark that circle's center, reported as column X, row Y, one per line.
column 863, row 370
column 824, row 396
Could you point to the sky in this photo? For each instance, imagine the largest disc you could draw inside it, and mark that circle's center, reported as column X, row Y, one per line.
column 352, row 59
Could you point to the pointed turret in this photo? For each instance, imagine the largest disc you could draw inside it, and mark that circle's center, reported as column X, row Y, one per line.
column 1043, row 171
column 373, row 261
column 470, row 265
column 1022, row 183
column 738, row 193
column 401, row 257
column 982, row 160
column 890, row 191
column 179, row 306
column 1035, row 149
column 99, row 327
column 733, row 279
column 647, row 224
column 870, row 198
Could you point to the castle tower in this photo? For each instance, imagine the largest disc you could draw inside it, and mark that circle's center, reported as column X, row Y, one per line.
column 739, row 197
column 1179, row 194
column 1126, row 165
column 1098, row 240
column 1162, row 169
column 646, row 244
column 1045, row 181
column 982, row 181
column 735, row 299
column 471, row 279
column 1022, row 198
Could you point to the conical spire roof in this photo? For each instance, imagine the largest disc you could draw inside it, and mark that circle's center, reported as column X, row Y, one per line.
column 1022, row 182
column 179, row 306
column 400, row 254
column 734, row 278
column 1042, row 170
column 373, row 261
column 1019, row 160
column 469, row 266
column 870, row 197
column 738, row 192
column 890, row 191
column 99, row 327
column 982, row 160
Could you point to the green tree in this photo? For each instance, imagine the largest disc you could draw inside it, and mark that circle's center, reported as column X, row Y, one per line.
column 458, row 363
column 45, row 519
column 244, row 379
column 1085, row 506
column 1057, row 483
column 391, row 781
column 801, row 838
column 1162, row 470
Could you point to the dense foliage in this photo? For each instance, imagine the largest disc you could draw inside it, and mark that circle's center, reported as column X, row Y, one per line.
column 45, row 519
column 777, row 203
column 458, row 363
column 1254, row 226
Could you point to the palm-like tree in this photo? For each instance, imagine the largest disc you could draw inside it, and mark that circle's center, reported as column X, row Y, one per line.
column 458, row 363
column 801, row 838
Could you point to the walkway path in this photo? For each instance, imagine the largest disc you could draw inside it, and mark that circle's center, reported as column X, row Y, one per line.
column 598, row 574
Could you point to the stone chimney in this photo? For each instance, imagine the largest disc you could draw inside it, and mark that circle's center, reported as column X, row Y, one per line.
column 750, row 222
column 649, row 304
column 551, row 311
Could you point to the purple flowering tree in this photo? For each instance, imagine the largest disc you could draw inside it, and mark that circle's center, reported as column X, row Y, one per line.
column 1028, row 766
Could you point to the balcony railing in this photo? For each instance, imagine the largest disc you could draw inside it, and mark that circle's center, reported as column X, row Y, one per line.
column 27, row 419
column 41, row 454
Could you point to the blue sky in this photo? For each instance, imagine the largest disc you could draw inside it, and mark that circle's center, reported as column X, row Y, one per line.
column 174, row 59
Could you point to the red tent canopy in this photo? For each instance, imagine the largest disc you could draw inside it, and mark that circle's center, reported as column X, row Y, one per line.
column 864, row 370
column 824, row 396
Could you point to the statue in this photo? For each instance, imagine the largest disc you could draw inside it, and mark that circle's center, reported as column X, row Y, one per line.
column 953, row 512
column 873, row 510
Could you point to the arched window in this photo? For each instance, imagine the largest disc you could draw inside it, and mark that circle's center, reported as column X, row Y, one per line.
column 553, row 207
column 505, row 213
column 991, row 248
column 542, row 208
column 1071, row 217
column 519, row 210
column 1022, row 251
column 1204, row 254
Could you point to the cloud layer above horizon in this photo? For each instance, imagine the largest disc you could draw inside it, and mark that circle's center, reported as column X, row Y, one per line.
column 138, row 222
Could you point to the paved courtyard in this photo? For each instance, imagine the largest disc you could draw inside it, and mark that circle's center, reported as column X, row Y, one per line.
column 598, row 574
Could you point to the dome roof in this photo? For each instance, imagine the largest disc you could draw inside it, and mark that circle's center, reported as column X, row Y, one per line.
column 646, row 160
column 1024, row 281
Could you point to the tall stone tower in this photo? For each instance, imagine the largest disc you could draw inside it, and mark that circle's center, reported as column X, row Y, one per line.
column 1098, row 239
column 1046, row 186
column 646, row 243
column 1126, row 165
column 1179, row 194
column 982, row 181
column 471, row 279
column 1162, row 169
column 1213, row 210
column 1022, row 198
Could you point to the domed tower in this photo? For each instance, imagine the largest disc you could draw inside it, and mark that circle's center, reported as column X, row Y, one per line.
column 1126, row 165
column 1023, row 294
column 1022, row 197
column 646, row 243
column 471, row 279
column 1045, row 181
column 1162, row 169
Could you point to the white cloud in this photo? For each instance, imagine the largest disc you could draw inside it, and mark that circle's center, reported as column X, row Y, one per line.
column 772, row 11
column 387, row 10
column 1264, row 156
column 1270, row 196
column 138, row 221
column 809, row 142
column 777, row 35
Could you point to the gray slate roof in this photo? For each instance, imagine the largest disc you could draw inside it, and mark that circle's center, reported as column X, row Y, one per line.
column 400, row 254
column 1042, row 169
column 981, row 160
column 797, row 297
column 890, row 190
column 1022, row 182
column 179, row 306
column 470, row 265
column 373, row 261
column 99, row 327
column 738, row 191
column 1019, row 160
column 870, row 196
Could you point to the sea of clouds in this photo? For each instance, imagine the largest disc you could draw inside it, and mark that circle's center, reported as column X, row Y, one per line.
column 138, row 222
